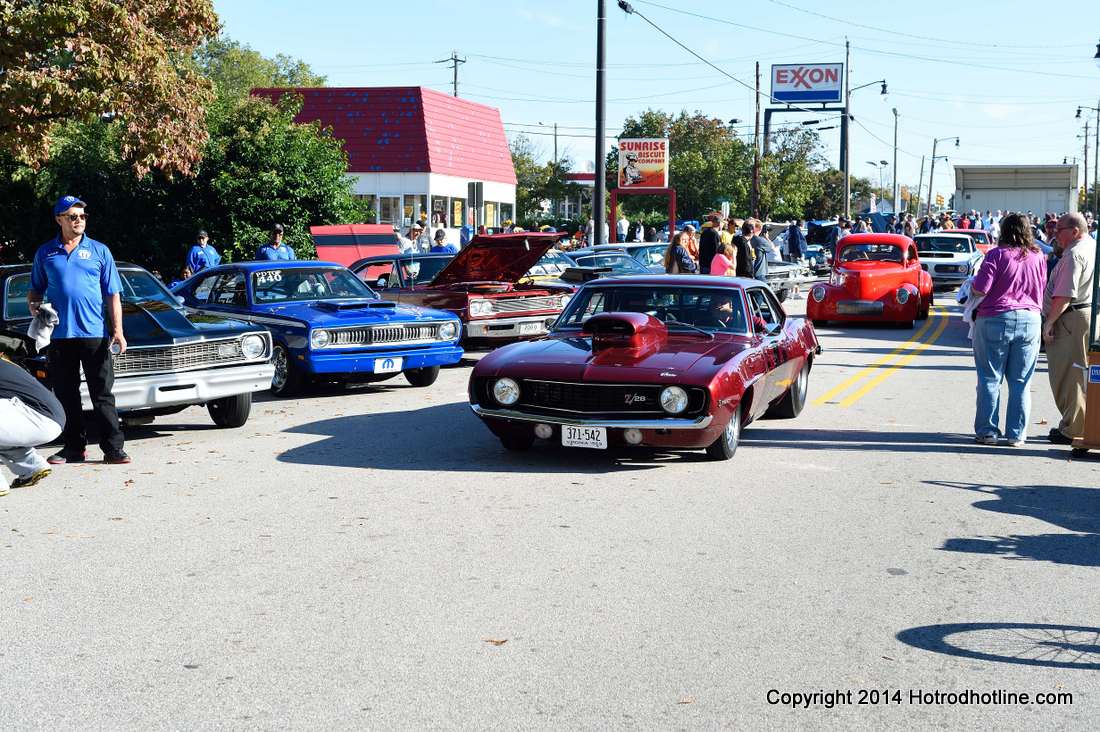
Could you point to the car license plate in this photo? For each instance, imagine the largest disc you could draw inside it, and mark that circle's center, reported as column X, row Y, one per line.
column 530, row 328
column 591, row 437
column 387, row 365
column 859, row 307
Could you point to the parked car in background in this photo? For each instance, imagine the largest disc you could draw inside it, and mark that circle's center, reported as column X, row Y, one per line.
column 981, row 238
column 648, row 254
column 818, row 259
column 175, row 358
column 483, row 285
column 549, row 267
column 949, row 257
column 875, row 278
column 326, row 323
column 670, row 361
column 616, row 262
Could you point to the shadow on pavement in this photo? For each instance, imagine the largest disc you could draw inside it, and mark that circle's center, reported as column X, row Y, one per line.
column 1029, row 644
column 449, row 438
column 868, row 441
column 1071, row 508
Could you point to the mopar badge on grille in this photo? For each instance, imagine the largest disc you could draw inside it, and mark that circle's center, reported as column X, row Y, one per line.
column 635, row 398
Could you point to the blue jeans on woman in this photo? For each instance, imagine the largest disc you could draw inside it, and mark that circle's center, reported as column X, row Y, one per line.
column 1006, row 348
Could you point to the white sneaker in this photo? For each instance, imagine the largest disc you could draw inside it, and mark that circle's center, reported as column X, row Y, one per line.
column 1018, row 443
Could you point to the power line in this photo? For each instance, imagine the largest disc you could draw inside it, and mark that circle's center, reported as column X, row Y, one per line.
column 898, row 54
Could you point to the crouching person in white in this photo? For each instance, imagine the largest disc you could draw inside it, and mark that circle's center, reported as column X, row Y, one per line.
column 30, row 415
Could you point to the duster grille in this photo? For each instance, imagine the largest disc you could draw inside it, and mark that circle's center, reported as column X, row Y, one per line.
column 407, row 335
column 185, row 357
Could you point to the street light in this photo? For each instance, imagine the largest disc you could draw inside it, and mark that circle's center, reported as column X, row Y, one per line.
column 932, row 173
column 1096, row 58
column 880, row 165
column 845, row 141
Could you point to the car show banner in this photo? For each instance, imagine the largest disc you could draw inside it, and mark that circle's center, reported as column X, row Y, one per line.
column 643, row 163
column 807, row 82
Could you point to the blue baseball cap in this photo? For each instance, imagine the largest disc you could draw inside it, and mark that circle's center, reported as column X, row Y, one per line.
column 65, row 203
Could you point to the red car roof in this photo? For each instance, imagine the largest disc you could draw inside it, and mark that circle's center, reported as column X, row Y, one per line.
column 898, row 240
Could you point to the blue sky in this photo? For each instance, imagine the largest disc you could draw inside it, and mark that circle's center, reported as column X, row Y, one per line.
column 1006, row 77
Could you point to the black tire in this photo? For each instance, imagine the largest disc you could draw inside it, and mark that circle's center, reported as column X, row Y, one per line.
column 230, row 411
column 422, row 377
column 922, row 310
column 517, row 443
column 820, row 323
column 288, row 378
column 790, row 405
column 907, row 324
column 725, row 446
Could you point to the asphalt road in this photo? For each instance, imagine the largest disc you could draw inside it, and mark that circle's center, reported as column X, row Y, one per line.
column 374, row 559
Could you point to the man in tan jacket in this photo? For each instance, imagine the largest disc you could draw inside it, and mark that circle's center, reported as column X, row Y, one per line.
column 1067, row 306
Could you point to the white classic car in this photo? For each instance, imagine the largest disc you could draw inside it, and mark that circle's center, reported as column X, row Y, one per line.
column 949, row 258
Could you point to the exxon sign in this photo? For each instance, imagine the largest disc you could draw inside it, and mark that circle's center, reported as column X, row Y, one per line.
column 807, row 82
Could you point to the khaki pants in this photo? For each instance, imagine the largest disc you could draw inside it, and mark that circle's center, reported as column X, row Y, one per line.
column 1067, row 368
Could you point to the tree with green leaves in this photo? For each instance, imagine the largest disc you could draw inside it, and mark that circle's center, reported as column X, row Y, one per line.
column 118, row 59
column 235, row 69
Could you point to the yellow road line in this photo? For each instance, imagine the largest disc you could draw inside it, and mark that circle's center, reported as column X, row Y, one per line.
column 900, row 364
column 885, row 360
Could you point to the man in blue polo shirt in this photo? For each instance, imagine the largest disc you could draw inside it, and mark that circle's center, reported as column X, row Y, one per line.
column 275, row 250
column 78, row 275
column 203, row 255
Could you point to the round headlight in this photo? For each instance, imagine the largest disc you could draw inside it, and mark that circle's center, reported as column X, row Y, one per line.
column 903, row 295
column 252, row 346
column 319, row 338
column 674, row 399
column 506, row 391
column 565, row 300
column 447, row 331
column 818, row 293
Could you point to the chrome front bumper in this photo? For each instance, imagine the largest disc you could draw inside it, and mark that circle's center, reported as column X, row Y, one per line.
column 187, row 387
column 670, row 423
column 507, row 327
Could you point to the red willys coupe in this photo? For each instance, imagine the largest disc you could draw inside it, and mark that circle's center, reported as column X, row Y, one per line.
column 671, row 361
column 876, row 278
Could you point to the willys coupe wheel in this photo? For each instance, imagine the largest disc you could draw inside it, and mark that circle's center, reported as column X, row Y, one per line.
column 726, row 445
column 422, row 377
column 922, row 312
column 230, row 411
column 288, row 378
column 792, row 402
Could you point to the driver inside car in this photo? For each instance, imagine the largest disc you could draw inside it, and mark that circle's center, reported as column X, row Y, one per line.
column 722, row 314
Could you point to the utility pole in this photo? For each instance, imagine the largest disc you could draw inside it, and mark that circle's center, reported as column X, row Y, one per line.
column 894, row 188
column 1095, row 169
column 920, row 182
column 557, row 172
column 601, row 159
column 844, row 142
column 756, row 152
column 931, row 177
column 1086, row 174
column 454, row 60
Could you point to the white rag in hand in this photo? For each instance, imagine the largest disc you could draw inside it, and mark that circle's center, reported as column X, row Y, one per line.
column 42, row 325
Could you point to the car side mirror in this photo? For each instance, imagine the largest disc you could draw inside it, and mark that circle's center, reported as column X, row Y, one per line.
column 382, row 282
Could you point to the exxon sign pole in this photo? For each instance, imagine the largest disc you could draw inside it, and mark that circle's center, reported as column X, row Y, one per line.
column 601, row 159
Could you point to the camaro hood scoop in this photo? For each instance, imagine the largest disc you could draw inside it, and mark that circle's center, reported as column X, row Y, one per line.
column 336, row 306
column 625, row 330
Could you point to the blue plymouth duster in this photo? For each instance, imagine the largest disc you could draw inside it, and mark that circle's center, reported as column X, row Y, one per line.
column 326, row 323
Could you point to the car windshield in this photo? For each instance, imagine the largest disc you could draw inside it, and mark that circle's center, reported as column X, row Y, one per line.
column 713, row 309
column 552, row 263
column 140, row 286
column 422, row 269
column 619, row 263
column 650, row 255
column 306, row 283
column 947, row 244
column 872, row 252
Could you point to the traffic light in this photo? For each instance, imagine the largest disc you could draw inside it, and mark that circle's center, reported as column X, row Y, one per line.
column 939, row 200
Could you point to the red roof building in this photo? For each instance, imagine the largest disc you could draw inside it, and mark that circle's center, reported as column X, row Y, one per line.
column 415, row 150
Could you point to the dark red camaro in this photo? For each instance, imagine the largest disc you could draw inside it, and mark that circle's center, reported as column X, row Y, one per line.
column 664, row 360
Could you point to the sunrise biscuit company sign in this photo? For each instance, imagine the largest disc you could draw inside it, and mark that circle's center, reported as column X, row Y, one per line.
column 643, row 163
column 807, row 82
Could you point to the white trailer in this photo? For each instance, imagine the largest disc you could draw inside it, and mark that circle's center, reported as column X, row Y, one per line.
column 1035, row 188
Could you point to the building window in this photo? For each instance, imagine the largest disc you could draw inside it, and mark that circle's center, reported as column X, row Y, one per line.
column 389, row 210
column 506, row 213
column 491, row 214
column 439, row 212
column 414, row 207
column 458, row 212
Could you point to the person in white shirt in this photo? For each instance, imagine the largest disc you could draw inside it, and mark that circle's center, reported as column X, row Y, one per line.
column 621, row 227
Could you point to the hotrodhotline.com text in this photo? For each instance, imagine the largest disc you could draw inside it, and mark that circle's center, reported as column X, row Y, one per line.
column 884, row 697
